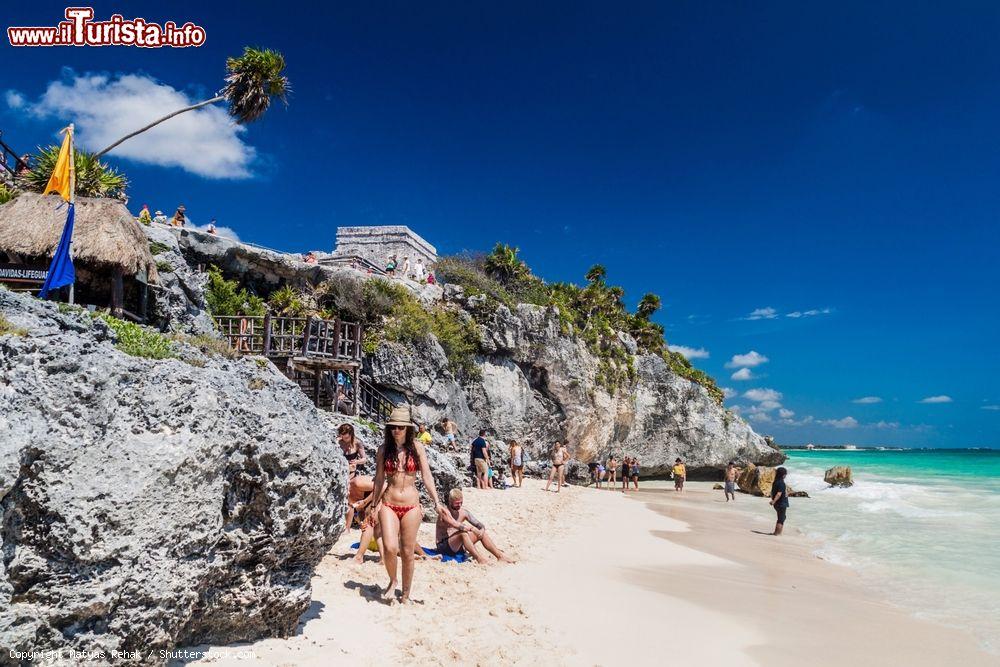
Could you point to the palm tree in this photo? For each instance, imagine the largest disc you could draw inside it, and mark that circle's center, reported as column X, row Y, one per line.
column 596, row 274
column 504, row 264
column 649, row 304
column 251, row 81
column 93, row 177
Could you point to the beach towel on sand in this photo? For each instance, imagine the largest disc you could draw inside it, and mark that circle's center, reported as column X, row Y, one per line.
column 458, row 558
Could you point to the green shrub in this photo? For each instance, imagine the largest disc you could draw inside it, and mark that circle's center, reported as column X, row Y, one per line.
column 467, row 271
column 227, row 298
column 287, row 302
column 93, row 177
column 8, row 329
column 209, row 345
column 156, row 248
column 680, row 365
column 6, row 193
column 164, row 267
column 139, row 341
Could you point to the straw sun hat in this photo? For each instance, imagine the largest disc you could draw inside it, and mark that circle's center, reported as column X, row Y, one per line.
column 400, row 416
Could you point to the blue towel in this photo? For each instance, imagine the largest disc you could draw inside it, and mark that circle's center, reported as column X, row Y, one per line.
column 458, row 558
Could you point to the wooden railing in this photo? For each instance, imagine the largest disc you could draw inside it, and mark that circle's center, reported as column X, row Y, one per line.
column 372, row 403
column 293, row 336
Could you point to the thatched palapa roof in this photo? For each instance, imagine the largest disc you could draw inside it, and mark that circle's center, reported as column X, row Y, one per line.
column 104, row 232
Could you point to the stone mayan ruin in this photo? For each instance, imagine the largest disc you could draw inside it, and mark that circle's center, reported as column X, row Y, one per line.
column 374, row 245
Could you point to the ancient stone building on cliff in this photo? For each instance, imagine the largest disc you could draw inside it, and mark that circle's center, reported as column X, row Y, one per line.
column 374, row 245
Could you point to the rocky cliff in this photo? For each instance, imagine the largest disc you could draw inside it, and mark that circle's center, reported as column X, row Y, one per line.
column 147, row 504
column 535, row 383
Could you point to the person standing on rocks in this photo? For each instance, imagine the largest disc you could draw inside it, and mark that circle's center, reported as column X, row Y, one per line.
column 406, row 267
column 779, row 499
column 424, row 436
column 419, row 272
column 396, row 498
column 450, row 430
column 516, row 462
column 481, row 460
column 680, row 474
column 731, row 472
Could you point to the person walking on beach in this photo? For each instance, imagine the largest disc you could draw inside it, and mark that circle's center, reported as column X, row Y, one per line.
column 779, row 499
column 626, row 472
column 634, row 471
column 557, row 471
column 680, row 474
column 481, row 459
column 612, row 471
column 453, row 537
column 396, row 498
column 516, row 462
column 731, row 472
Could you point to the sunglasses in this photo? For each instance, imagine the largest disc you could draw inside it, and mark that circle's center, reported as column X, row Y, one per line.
column 397, row 428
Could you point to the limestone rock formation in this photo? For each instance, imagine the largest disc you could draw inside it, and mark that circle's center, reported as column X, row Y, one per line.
column 839, row 476
column 152, row 504
column 536, row 383
column 756, row 480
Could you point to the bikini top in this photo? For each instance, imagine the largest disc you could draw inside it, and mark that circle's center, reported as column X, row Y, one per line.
column 389, row 465
column 356, row 454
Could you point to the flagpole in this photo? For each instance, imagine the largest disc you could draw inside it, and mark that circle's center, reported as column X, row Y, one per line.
column 72, row 198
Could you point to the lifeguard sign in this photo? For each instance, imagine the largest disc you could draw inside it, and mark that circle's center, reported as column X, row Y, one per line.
column 22, row 276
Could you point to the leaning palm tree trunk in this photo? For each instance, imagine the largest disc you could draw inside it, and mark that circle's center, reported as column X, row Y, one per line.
column 217, row 98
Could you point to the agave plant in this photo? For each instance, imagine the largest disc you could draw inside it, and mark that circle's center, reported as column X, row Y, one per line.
column 252, row 79
column 93, row 177
column 6, row 193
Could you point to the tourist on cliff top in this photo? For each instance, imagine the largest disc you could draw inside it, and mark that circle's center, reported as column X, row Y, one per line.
column 454, row 539
column 680, row 474
column 144, row 216
column 309, row 257
column 424, row 436
column 431, row 279
column 179, row 219
column 160, row 218
column 211, row 227
column 779, row 499
column 406, row 268
column 23, row 164
column 419, row 272
column 390, row 266
column 633, row 470
column 731, row 472
column 559, row 457
column 395, row 495
column 516, row 462
column 612, row 471
column 481, row 460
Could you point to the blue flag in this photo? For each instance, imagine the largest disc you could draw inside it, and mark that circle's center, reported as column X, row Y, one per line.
column 61, row 272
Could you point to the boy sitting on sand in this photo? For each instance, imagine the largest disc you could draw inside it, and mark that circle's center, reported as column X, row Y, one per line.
column 453, row 541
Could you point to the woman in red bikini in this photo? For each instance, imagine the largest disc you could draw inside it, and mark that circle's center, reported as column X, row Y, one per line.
column 396, row 497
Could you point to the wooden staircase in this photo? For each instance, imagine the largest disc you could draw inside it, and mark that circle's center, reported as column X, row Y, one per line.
column 313, row 353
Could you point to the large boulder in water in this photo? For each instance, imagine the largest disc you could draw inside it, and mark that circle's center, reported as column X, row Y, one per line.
column 148, row 504
column 756, row 480
column 839, row 476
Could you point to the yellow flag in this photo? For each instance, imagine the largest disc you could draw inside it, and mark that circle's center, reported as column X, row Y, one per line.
column 61, row 181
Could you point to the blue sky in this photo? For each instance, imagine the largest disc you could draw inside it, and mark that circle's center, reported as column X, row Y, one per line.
column 838, row 163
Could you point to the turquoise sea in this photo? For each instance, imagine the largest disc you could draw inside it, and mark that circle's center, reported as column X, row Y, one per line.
column 922, row 526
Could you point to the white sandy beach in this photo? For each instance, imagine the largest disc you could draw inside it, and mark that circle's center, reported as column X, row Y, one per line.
column 605, row 579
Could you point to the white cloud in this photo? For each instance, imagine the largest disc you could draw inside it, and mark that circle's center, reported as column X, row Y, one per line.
column 867, row 400
column 205, row 142
column 689, row 352
column 846, row 422
column 14, row 99
column 769, row 405
column 936, row 399
column 742, row 374
column 751, row 359
column 884, row 425
column 990, row 407
column 762, row 314
column 760, row 417
column 729, row 392
column 762, row 395
column 785, row 413
column 809, row 313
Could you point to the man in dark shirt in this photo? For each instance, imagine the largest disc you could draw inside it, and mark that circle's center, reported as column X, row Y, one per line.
column 779, row 498
column 481, row 459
